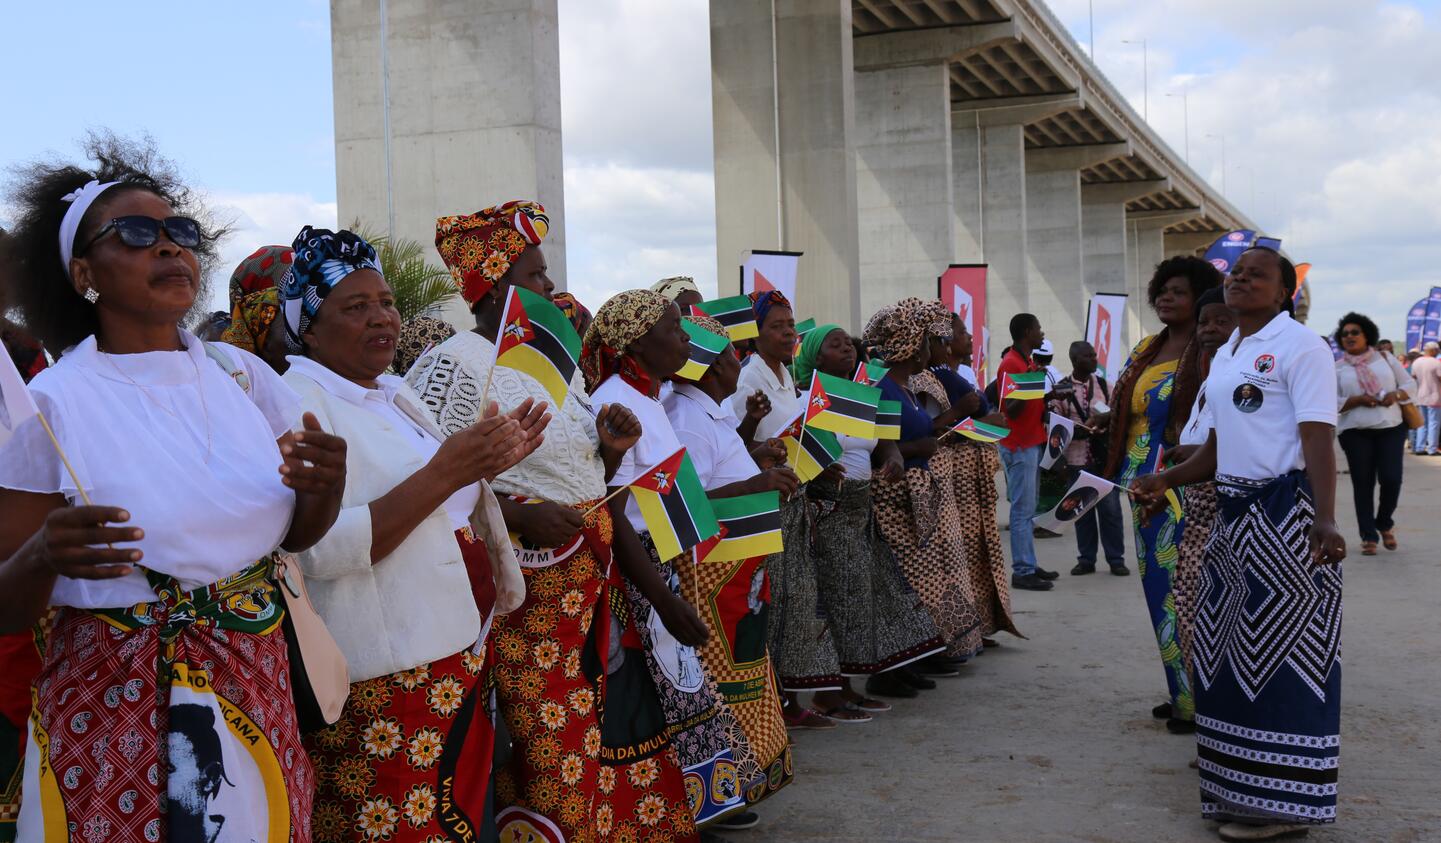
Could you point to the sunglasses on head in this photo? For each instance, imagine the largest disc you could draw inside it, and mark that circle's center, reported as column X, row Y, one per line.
column 141, row 232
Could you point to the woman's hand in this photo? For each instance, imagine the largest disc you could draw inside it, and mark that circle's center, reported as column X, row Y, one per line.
column 66, row 544
column 758, row 406
column 778, row 479
column 1359, row 401
column 769, row 453
column 618, row 428
column 547, row 524
column 1390, row 398
column 891, row 470
column 1098, row 422
column 681, row 620
column 533, row 420
column 833, row 474
column 1328, row 546
column 1181, row 453
column 1149, row 490
column 481, row 451
column 314, row 461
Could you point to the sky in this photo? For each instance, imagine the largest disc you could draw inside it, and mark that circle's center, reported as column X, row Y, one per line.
column 1329, row 111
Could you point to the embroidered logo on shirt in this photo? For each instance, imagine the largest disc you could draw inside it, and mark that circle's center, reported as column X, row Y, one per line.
column 1265, row 363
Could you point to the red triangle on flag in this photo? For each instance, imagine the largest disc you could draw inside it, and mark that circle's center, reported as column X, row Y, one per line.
column 703, row 549
column 794, row 428
column 817, row 400
column 762, row 284
column 515, row 327
column 661, row 477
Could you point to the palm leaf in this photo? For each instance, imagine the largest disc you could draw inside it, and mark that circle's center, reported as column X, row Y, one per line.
column 420, row 287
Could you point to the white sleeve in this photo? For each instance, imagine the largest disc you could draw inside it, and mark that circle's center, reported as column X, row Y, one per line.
column 1311, row 384
column 1404, row 381
column 277, row 401
column 746, row 386
column 700, row 445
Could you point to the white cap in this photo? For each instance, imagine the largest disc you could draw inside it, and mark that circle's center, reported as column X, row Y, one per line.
column 1045, row 349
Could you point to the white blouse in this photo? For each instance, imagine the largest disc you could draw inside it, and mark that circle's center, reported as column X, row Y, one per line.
column 708, row 432
column 785, row 404
column 657, row 439
column 1389, row 374
column 170, row 437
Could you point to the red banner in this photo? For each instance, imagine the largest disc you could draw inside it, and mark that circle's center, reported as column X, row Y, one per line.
column 963, row 290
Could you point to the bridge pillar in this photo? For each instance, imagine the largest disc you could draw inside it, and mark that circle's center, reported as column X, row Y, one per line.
column 989, row 172
column 903, row 182
column 1146, row 247
column 450, row 151
column 782, row 97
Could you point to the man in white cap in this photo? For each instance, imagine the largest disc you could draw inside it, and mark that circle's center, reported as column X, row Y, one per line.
column 1043, row 356
column 1427, row 372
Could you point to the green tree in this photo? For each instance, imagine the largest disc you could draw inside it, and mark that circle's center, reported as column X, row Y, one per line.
column 420, row 287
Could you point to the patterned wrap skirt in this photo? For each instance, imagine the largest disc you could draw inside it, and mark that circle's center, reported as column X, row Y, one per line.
column 986, row 568
column 878, row 620
column 923, row 529
column 733, row 599
column 703, row 730
column 798, row 628
column 170, row 720
column 1157, row 553
column 1200, row 518
column 1267, row 649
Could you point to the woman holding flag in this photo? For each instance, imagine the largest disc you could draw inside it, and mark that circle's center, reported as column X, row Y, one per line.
column 1151, row 402
column 550, row 503
column 190, row 479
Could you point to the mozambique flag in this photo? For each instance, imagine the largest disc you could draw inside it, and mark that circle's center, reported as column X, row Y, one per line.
column 673, row 503
column 888, row 420
column 980, row 431
column 536, row 338
column 809, row 451
column 750, row 526
column 869, row 372
column 842, row 406
column 705, row 347
column 1023, row 386
column 735, row 313
column 802, row 328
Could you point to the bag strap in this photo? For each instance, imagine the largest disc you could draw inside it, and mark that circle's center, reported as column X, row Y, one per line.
column 227, row 365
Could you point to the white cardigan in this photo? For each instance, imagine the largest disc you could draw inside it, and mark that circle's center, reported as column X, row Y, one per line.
column 414, row 606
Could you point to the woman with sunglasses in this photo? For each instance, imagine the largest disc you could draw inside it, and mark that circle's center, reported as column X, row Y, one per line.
column 153, row 532
column 1372, row 387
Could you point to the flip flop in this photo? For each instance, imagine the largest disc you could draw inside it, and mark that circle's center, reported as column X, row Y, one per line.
column 869, row 705
column 809, row 718
column 847, row 713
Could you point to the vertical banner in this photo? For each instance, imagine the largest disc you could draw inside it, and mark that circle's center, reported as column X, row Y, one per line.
column 1432, row 329
column 963, row 290
column 1104, row 321
column 771, row 271
column 1415, row 323
column 1228, row 247
column 1302, row 270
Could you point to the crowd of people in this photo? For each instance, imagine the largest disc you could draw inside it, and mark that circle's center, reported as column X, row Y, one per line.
column 523, row 664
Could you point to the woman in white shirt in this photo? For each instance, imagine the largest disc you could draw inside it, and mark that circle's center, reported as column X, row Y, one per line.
column 416, row 563
column 1267, row 639
column 166, row 648
column 1371, row 386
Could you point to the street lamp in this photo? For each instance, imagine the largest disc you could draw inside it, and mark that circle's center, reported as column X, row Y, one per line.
column 1145, row 79
column 1185, row 119
column 1223, row 160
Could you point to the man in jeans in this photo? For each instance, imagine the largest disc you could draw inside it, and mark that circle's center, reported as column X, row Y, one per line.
column 1021, row 455
column 1427, row 372
column 1088, row 406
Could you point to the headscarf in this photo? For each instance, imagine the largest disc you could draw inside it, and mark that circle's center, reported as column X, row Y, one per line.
column 805, row 361
column 762, row 303
column 673, row 287
column 899, row 330
column 938, row 319
column 710, row 323
column 251, row 320
column 619, row 322
column 479, row 248
column 576, row 312
column 264, row 269
column 418, row 334
column 322, row 259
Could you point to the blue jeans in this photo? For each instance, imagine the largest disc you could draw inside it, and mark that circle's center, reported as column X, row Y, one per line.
column 1103, row 519
column 1023, row 467
column 1429, row 434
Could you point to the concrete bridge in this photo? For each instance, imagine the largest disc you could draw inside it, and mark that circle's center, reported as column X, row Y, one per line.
column 886, row 139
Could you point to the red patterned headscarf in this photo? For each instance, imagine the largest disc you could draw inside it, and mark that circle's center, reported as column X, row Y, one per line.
column 479, row 248
column 261, row 271
column 576, row 312
column 619, row 322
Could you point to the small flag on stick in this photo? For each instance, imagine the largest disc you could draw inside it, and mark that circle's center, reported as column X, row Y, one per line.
column 735, row 313
column 750, row 525
column 536, row 338
column 888, row 420
column 1023, row 386
column 809, row 451
column 980, row 431
column 705, row 347
column 677, row 513
column 842, row 406
column 869, row 372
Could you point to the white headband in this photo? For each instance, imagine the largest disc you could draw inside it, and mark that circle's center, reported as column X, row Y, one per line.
column 80, row 202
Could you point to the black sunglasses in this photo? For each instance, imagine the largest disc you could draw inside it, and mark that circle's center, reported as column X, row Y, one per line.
column 1352, row 333
column 140, row 232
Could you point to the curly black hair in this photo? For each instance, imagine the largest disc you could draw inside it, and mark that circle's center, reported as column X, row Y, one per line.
column 1368, row 328
column 39, row 288
column 1200, row 274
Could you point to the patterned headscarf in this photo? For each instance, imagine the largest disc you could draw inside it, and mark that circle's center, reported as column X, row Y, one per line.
column 252, row 318
column 619, row 322
column 762, row 303
column 899, row 330
column 710, row 323
column 673, row 287
column 938, row 319
column 264, row 269
column 479, row 248
column 322, row 259
column 805, row 362
column 576, row 312
column 417, row 334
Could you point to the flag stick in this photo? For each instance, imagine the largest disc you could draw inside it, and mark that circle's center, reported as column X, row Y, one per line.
column 75, row 478
column 602, row 501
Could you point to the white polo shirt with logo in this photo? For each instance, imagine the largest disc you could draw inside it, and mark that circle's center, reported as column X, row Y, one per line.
column 1260, row 388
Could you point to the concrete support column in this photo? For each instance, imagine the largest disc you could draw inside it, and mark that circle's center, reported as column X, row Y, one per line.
column 451, row 149
column 790, row 184
column 989, row 176
column 1146, row 247
column 1103, row 243
column 903, row 182
column 1053, row 250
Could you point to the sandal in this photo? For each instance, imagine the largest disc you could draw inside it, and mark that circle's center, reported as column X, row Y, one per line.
column 847, row 713
column 870, row 705
column 1388, row 539
column 1368, row 548
column 808, row 718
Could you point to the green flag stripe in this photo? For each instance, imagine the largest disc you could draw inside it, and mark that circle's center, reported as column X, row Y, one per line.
column 543, row 313
column 553, row 349
column 844, row 388
column 1028, row 378
column 705, row 339
column 819, row 449
column 744, row 505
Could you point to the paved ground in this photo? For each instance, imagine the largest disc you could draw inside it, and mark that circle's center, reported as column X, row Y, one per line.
column 1051, row 739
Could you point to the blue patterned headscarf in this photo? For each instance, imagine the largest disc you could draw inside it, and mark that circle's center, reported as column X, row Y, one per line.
column 761, row 303
column 323, row 259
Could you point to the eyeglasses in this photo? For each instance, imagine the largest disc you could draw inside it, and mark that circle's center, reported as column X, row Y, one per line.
column 140, row 232
column 1351, row 333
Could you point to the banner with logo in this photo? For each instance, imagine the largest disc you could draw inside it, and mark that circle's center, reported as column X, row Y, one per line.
column 1228, row 247
column 1415, row 323
column 1431, row 331
column 1302, row 270
column 963, row 290
column 764, row 271
column 1104, row 321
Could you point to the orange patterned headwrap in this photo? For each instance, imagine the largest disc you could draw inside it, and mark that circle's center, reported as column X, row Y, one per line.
column 479, row 248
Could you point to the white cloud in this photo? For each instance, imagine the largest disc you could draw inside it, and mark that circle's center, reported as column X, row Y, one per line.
column 261, row 219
